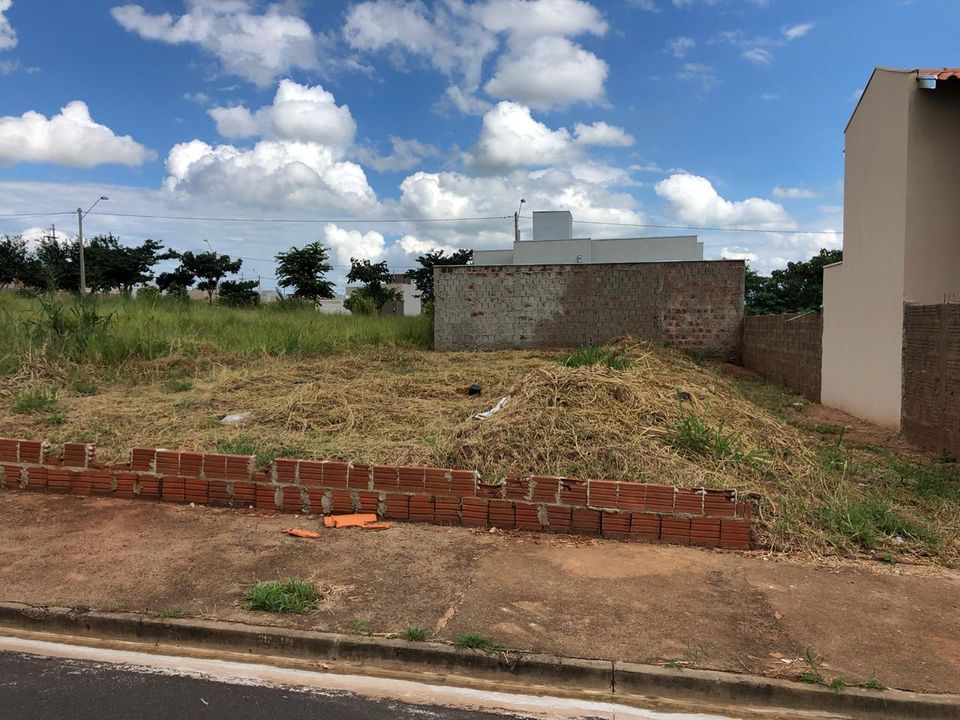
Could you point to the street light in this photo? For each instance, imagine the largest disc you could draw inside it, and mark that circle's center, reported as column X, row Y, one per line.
column 516, row 221
column 80, row 216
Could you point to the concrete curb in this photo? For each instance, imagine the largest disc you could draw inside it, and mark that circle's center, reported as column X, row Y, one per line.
column 621, row 680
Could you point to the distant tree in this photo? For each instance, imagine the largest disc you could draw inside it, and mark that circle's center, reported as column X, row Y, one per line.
column 112, row 266
column 209, row 268
column 796, row 288
column 13, row 259
column 304, row 270
column 54, row 265
column 176, row 282
column 239, row 293
column 423, row 276
column 373, row 278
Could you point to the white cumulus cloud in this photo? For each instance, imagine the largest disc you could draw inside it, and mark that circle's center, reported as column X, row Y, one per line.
column 68, row 138
column 601, row 133
column 281, row 173
column 510, row 137
column 299, row 113
column 530, row 18
column 792, row 32
column 405, row 154
column 695, row 201
column 257, row 46
column 346, row 244
column 8, row 36
column 547, row 72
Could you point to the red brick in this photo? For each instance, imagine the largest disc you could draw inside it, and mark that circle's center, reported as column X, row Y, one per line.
column 446, row 510
column 688, row 502
column 645, row 526
column 615, row 525
column 9, row 450
column 675, row 530
column 436, row 482
column 384, row 477
column 342, row 502
column 217, row 494
column 142, row 459
column 286, row 470
column 125, row 481
column 705, row 531
column 80, row 482
column 369, row 500
column 410, row 479
column 491, row 491
column 558, row 518
column 397, row 506
column 545, row 488
column 358, row 477
column 101, row 483
column 659, row 498
column 573, row 492
column 528, row 516
column 474, row 512
column 168, row 462
column 51, row 460
column 502, row 514
column 585, row 522
column 266, row 497
column 735, row 534
column 58, row 480
column 76, row 454
column 334, row 474
column 191, row 464
column 195, row 490
column 463, row 483
column 719, row 503
column 214, row 466
column 421, row 508
column 633, row 496
column 744, row 509
column 172, row 489
column 292, row 499
column 37, row 478
column 239, row 467
column 31, row 452
column 244, row 494
column 516, row 488
column 602, row 494
column 147, row 487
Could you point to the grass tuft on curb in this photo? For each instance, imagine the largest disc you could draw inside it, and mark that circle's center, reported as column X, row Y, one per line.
column 282, row 596
column 476, row 641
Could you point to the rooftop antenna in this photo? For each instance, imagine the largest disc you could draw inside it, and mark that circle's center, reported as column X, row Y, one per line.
column 516, row 221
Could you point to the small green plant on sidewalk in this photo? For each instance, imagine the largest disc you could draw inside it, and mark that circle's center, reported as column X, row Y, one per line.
column 360, row 627
column 282, row 596
column 173, row 613
column 416, row 634
column 476, row 641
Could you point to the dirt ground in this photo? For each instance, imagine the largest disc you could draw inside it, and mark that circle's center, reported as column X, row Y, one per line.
column 573, row 596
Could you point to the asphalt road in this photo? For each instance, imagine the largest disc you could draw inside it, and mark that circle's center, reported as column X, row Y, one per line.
column 49, row 688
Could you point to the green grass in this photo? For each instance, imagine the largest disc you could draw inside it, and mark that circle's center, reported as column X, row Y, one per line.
column 84, row 387
column 872, row 683
column 868, row 520
column 249, row 445
column 179, row 386
column 416, row 634
column 171, row 613
column 813, row 675
column 282, row 596
column 150, row 329
column 476, row 641
column 35, row 401
column 593, row 355
column 360, row 627
column 695, row 436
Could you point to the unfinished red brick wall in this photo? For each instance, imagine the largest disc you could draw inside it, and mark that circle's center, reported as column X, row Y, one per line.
column 620, row 510
column 787, row 349
column 930, row 411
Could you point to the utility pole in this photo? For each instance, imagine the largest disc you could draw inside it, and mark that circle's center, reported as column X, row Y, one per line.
column 516, row 221
column 83, row 269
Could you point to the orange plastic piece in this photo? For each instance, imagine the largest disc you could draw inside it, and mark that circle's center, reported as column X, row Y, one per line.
column 355, row 520
column 299, row 532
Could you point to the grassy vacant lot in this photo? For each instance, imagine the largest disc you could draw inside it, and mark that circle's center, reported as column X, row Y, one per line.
column 368, row 390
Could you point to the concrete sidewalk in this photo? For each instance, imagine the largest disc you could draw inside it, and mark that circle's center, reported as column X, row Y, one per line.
column 550, row 594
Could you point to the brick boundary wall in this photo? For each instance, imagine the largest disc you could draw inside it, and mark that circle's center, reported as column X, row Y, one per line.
column 619, row 510
column 787, row 349
column 930, row 409
column 693, row 305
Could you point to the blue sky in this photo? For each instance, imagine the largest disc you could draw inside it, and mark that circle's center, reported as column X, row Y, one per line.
column 716, row 113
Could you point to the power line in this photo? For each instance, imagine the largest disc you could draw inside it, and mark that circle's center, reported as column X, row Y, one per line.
column 338, row 221
column 27, row 216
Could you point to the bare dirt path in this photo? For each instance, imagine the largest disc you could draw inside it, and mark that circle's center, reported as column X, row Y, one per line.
column 581, row 597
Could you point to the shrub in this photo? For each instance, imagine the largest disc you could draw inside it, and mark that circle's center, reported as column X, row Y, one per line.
column 282, row 596
column 35, row 401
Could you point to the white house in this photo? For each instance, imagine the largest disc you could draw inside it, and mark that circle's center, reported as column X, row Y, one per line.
column 553, row 243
